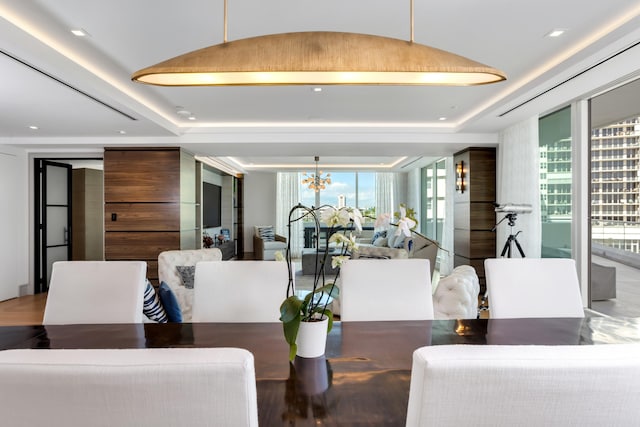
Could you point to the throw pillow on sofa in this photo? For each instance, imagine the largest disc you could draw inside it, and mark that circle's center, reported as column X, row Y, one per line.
column 266, row 233
column 381, row 242
column 151, row 307
column 378, row 235
column 187, row 274
column 395, row 241
column 170, row 303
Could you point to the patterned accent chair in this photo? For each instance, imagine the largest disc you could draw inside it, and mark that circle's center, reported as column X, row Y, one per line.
column 266, row 243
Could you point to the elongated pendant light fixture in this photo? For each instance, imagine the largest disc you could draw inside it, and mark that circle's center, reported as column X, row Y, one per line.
column 318, row 58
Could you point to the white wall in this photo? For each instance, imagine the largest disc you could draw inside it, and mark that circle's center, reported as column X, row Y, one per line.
column 259, row 203
column 14, row 222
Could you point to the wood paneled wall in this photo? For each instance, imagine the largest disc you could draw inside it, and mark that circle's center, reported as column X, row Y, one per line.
column 150, row 203
column 474, row 210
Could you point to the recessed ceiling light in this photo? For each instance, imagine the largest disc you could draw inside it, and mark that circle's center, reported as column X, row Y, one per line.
column 34, row 127
column 442, row 118
column 556, row 32
column 317, row 89
column 183, row 112
column 79, row 32
column 122, row 132
column 192, row 117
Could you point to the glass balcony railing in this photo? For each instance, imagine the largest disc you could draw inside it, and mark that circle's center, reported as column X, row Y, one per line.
column 622, row 235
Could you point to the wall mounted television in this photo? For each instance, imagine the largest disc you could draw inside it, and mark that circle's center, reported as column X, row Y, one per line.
column 211, row 205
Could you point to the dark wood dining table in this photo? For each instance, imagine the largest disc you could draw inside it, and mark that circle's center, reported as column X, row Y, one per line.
column 364, row 378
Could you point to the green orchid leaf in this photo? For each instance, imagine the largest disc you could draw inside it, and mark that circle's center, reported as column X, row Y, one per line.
column 293, row 349
column 290, row 329
column 290, row 308
column 329, row 289
column 329, row 315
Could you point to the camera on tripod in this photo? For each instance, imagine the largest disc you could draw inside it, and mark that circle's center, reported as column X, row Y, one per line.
column 513, row 208
column 511, row 211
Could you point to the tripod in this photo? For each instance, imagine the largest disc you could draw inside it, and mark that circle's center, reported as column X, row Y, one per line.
column 512, row 239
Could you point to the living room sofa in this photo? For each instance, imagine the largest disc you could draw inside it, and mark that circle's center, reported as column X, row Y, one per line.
column 389, row 246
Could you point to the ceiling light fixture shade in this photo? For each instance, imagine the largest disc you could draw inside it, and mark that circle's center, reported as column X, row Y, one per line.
column 320, row 58
column 316, row 182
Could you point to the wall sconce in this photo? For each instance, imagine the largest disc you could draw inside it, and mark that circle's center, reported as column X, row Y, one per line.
column 460, row 175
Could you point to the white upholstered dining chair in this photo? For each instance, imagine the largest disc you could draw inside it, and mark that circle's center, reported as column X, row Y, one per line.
column 160, row 387
column 239, row 291
column 533, row 287
column 527, row 385
column 95, row 292
column 385, row 289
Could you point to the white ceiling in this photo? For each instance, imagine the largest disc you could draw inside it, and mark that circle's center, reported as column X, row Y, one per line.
column 78, row 90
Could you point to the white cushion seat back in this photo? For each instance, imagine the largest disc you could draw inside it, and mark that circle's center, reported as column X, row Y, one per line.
column 168, row 273
column 95, row 292
column 239, row 291
column 385, row 289
column 128, row 387
column 533, row 287
column 456, row 296
column 469, row 385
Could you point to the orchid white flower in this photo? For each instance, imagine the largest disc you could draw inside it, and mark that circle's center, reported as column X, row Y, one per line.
column 404, row 224
column 340, row 238
column 338, row 260
column 332, row 216
column 356, row 216
column 383, row 221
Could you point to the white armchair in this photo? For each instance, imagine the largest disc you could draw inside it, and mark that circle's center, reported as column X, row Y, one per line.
column 153, row 387
column 524, row 385
column 95, row 292
column 533, row 287
column 456, row 295
column 393, row 289
column 243, row 291
column 265, row 248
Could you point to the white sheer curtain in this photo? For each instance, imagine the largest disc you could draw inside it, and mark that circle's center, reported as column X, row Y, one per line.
column 518, row 182
column 287, row 196
column 446, row 257
column 385, row 188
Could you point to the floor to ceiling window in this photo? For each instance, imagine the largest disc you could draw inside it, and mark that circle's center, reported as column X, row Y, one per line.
column 353, row 189
column 615, row 201
column 433, row 202
column 555, row 183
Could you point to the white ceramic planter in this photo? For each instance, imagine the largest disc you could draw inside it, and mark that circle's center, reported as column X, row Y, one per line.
column 312, row 338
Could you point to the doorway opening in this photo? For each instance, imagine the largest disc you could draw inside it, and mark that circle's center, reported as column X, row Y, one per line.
column 68, row 213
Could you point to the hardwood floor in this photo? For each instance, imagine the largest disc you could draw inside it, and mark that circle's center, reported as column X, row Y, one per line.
column 26, row 310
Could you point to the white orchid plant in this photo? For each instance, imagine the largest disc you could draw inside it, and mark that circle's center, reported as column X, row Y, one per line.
column 313, row 307
column 405, row 221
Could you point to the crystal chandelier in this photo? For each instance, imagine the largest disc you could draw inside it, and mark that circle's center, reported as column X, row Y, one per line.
column 316, row 182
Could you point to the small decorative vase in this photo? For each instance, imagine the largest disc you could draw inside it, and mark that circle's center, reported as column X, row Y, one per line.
column 312, row 338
